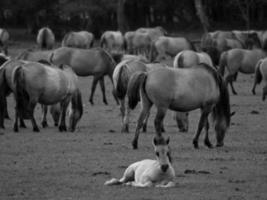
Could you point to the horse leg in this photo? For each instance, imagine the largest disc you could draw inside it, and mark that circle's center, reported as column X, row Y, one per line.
column 124, row 113
column 145, row 110
column 64, row 105
column 264, row 92
column 95, row 80
column 113, row 89
column 16, row 127
column 182, row 121
column 201, row 123
column 34, row 124
column 158, row 122
column 207, row 140
column 44, row 121
column 229, row 79
column 145, row 123
column 22, row 124
column 102, row 85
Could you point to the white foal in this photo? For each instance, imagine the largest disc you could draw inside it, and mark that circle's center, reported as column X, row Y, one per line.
column 147, row 173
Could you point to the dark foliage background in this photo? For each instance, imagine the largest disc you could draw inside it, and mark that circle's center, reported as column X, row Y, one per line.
column 99, row 15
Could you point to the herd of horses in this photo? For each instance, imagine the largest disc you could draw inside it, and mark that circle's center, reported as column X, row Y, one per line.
column 134, row 63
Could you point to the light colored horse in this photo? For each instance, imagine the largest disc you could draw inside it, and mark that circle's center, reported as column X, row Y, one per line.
column 148, row 173
column 37, row 83
column 261, row 74
column 121, row 75
column 141, row 43
column 4, row 37
column 182, row 90
column 80, row 39
column 170, row 46
column 154, row 32
column 188, row 59
column 87, row 62
column 31, row 55
column 45, row 38
column 239, row 60
column 112, row 41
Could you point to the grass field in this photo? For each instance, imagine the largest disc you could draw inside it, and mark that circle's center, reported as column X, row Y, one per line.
column 55, row 165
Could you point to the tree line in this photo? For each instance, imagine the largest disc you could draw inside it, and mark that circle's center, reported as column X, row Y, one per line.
column 100, row 15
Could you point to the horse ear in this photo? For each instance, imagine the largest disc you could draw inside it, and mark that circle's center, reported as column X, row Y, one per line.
column 168, row 140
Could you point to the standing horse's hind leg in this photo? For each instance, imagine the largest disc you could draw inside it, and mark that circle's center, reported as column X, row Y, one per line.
column 124, row 111
column 44, row 121
column 64, row 106
column 102, row 85
column 201, row 123
column 145, row 110
column 207, row 140
column 264, row 92
column 34, row 124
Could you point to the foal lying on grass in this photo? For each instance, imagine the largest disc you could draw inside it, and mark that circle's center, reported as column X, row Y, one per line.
column 147, row 173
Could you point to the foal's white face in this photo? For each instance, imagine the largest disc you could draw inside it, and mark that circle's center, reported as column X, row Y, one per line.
column 162, row 152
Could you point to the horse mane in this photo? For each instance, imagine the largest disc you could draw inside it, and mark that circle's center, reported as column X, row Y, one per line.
column 105, row 54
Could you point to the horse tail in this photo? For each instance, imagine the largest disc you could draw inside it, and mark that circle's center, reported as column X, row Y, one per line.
column 153, row 51
column 221, row 113
column 102, row 41
column 122, row 82
column 222, row 63
column 191, row 45
column 44, row 39
column 21, row 95
column 135, row 82
column 76, row 109
column 258, row 76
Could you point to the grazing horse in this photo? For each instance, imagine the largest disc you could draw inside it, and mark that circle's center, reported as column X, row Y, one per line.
column 4, row 37
column 87, row 62
column 239, row 60
column 112, row 41
column 81, row 39
column 121, row 76
column 38, row 83
column 182, row 90
column 261, row 74
column 34, row 56
column 171, row 46
column 45, row 38
column 148, row 173
column 188, row 59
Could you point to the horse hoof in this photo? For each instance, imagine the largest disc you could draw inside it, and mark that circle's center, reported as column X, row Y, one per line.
column 105, row 102
column 62, row 128
column 35, row 129
column 195, row 143
column 44, row 124
column 91, row 102
column 234, row 93
column 134, row 144
column 56, row 124
column 125, row 129
column 253, row 92
column 219, row 145
column 15, row 129
column 144, row 129
column 208, row 144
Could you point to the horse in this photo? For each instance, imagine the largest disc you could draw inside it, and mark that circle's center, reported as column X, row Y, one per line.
column 164, row 46
column 215, row 43
column 148, row 173
column 239, row 60
column 182, row 90
column 35, row 56
column 141, row 43
column 86, row 62
column 81, row 39
column 45, row 38
column 188, row 59
column 154, row 32
column 38, row 83
column 261, row 74
column 4, row 37
column 112, row 41
column 121, row 76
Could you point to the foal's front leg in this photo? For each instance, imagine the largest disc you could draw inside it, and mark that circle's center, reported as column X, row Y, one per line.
column 102, row 85
column 95, row 80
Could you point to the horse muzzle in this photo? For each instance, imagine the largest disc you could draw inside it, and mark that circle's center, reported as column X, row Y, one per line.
column 164, row 168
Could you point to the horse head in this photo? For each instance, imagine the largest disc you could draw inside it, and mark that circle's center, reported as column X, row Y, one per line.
column 252, row 41
column 162, row 151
